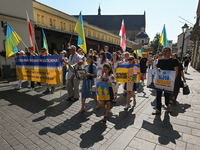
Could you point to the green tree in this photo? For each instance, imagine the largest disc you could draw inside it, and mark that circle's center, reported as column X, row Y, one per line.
column 155, row 43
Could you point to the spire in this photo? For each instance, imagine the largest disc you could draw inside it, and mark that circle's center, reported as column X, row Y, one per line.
column 99, row 10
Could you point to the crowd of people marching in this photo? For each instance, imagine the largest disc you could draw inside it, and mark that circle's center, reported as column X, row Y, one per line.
column 101, row 67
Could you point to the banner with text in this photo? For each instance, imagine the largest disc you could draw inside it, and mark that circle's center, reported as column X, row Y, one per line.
column 102, row 91
column 161, row 80
column 44, row 69
column 128, row 74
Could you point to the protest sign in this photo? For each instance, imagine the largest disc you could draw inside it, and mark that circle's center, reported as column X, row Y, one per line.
column 127, row 74
column 44, row 69
column 102, row 91
column 161, row 80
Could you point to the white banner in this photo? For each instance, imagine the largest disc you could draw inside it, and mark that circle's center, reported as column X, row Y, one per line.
column 163, row 80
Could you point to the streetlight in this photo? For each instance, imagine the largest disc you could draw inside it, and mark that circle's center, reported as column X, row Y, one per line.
column 184, row 28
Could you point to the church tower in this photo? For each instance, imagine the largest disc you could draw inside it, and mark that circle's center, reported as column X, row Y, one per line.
column 99, row 11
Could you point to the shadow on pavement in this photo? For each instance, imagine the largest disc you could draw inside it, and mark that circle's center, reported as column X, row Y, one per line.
column 179, row 108
column 71, row 124
column 163, row 129
column 93, row 135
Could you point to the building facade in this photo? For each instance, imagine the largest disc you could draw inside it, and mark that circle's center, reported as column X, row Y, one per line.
column 195, row 57
column 13, row 12
column 58, row 27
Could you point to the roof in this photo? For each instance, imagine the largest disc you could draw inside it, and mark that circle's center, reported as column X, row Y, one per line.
column 142, row 35
column 113, row 22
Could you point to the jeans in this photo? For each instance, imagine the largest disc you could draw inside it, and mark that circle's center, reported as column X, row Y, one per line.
column 64, row 71
column 158, row 98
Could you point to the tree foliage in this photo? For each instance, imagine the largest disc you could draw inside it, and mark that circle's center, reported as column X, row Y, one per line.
column 155, row 42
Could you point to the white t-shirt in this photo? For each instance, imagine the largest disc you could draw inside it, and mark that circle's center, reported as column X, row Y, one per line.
column 72, row 61
column 99, row 65
column 155, row 62
column 125, row 62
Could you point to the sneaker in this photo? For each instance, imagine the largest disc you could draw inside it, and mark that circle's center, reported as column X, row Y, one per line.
column 134, row 103
column 105, row 118
column 169, row 108
column 52, row 89
column 127, row 107
column 156, row 112
column 29, row 86
column 18, row 87
column 46, row 91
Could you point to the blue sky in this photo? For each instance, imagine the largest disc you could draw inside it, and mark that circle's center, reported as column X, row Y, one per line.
column 158, row 12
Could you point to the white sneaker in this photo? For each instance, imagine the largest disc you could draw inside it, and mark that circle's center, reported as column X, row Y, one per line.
column 18, row 87
column 127, row 107
column 31, row 89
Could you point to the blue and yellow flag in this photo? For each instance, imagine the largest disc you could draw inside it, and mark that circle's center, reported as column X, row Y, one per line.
column 79, row 28
column 139, row 52
column 12, row 40
column 163, row 38
column 45, row 45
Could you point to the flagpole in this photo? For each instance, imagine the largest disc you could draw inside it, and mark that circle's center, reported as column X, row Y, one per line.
column 35, row 44
column 71, row 36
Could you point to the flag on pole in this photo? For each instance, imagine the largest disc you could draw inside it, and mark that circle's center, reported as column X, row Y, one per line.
column 98, row 48
column 30, row 31
column 123, row 37
column 79, row 28
column 12, row 40
column 45, row 45
column 163, row 38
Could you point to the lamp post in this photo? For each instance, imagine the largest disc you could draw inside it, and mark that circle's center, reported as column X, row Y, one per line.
column 184, row 28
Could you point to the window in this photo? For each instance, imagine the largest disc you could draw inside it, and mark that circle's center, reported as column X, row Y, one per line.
column 70, row 27
column 142, row 41
column 38, row 18
column 54, row 23
column 64, row 26
column 94, row 34
column 98, row 36
column 89, row 33
column 61, row 25
column 51, row 22
column 102, row 37
column 42, row 19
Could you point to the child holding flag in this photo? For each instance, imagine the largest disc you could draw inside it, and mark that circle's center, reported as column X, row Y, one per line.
column 108, row 77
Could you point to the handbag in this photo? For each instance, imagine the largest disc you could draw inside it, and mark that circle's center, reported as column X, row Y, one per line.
column 186, row 89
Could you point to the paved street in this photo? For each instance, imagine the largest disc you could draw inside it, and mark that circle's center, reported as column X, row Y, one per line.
column 31, row 120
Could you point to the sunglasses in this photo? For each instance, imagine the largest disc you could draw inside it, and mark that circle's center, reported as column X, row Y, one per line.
column 130, row 59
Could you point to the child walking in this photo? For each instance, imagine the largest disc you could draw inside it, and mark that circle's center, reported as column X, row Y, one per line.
column 108, row 77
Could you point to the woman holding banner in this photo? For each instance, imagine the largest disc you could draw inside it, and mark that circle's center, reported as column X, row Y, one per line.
column 91, row 73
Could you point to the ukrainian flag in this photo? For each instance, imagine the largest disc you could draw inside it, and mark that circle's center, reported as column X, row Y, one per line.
column 79, row 28
column 163, row 38
column 12, row 40
column 45, row 41
column 139, row 52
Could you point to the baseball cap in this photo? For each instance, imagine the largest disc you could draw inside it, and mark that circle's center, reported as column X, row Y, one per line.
column 64, row 51
column 72, row 47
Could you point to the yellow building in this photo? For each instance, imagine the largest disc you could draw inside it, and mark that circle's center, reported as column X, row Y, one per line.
column 58, row 27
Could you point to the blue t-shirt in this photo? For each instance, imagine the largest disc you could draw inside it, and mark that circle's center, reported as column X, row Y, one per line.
column 108, row 55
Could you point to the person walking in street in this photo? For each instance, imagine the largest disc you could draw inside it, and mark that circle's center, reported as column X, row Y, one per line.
column 72, row 81
column 108, row 77
column 143, row 67
column 115, row 62
column 64, row 67
column 155, row 61
column 178, row 81
column 91, row 73
column 186, row 60
column 131, row 88
column 165, row 63
column 108, row 54
column 101, row 61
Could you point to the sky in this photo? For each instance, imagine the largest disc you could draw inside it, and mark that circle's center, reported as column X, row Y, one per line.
column 158, row 12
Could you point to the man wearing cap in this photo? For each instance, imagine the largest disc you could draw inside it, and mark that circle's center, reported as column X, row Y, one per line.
column 72, row 81
column 165, row 63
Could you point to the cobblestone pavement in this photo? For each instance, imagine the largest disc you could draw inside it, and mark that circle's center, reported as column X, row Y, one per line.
column 31, row 120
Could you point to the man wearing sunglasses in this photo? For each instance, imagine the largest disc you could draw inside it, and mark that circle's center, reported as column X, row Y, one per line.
column 143, row 67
